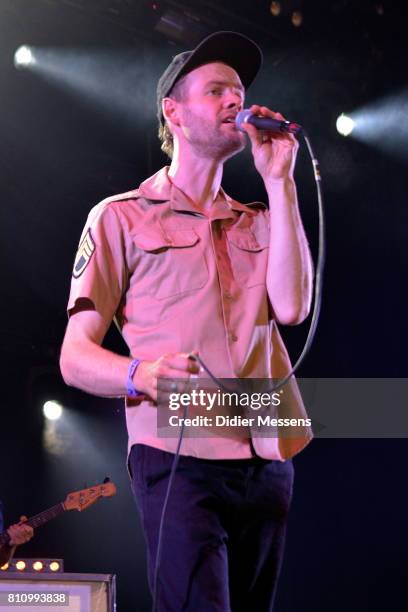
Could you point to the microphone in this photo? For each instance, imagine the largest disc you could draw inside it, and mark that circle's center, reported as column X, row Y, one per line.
column 266, row 123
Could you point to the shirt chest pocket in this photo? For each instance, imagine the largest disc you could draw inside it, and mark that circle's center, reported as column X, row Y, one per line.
column 248, row 255
column 170, row 263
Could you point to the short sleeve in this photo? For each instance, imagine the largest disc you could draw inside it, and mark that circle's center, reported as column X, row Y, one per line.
column 100, row 271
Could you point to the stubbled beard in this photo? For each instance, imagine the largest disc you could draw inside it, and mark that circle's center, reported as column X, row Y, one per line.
column 209, row 140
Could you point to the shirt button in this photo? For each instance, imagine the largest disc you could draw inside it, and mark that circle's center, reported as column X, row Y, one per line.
column 233, row 337
column 227, row 295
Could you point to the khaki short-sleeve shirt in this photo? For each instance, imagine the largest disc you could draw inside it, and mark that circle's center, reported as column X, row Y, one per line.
column 179, row 280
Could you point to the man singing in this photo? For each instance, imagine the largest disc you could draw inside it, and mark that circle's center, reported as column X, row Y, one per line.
column 185, row 269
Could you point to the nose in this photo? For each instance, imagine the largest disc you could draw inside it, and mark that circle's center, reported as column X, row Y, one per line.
column 233, row 100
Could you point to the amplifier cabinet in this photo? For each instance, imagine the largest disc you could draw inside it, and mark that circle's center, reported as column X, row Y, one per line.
column 29, row 592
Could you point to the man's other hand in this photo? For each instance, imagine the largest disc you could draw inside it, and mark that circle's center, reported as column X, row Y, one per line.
column 20, row 533
column 170, row 365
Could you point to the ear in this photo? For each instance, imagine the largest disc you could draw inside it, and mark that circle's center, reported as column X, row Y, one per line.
column 170, row 111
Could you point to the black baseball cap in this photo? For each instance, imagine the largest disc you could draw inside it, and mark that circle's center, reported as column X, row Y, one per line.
column 232, row 48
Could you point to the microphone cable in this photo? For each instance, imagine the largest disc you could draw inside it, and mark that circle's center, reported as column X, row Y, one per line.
column 162, row 516
column 317, row 298
column 318, row 284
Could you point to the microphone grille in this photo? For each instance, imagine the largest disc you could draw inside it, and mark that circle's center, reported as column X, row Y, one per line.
column 242, row 117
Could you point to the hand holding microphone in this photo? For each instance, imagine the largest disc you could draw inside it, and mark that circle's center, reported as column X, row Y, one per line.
column 274, row 145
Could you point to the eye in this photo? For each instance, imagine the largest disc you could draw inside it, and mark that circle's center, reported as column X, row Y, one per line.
column 215, row 92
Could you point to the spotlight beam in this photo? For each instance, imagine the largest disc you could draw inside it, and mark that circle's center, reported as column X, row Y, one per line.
column 383, row 124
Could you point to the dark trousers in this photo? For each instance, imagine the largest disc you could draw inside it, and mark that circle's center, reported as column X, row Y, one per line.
column 224, row 529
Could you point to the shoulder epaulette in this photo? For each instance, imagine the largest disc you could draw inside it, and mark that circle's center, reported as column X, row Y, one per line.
column 128, row 195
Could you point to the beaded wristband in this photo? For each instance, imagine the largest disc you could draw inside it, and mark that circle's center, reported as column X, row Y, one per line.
column 130, row 387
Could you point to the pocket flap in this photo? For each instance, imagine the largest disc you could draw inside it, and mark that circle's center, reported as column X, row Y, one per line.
column 154, row 241
column 245, row 239
column 181, row 237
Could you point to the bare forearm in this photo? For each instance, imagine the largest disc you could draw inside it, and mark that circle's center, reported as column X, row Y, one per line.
column 289, row 275
column 87, row 366
column 93, row 369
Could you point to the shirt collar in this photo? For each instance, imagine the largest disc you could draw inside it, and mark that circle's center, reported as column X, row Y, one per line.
column 159, row 188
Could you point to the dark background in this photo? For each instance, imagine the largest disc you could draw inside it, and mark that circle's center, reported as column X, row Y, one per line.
column 81, row 126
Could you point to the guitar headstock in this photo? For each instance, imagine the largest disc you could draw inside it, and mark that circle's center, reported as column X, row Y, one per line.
column 81, row 500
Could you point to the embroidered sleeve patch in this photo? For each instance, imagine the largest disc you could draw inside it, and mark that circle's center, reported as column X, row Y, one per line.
column 85, row 251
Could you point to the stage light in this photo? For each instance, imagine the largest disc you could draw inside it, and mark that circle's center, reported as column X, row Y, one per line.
column 20, row 566
column 54, row 566
column 38, row 566
column 297, row 19
column 345, row 125
column 275, row 9
column 52, row 410
column 24, row 57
